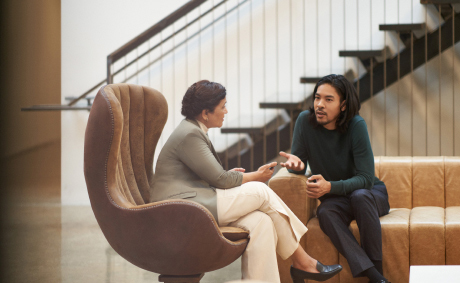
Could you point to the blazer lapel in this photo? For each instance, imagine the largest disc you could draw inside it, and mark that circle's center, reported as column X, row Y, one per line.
column 213, row 150
column 207, row 140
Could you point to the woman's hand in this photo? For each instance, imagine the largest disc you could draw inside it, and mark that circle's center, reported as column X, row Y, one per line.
column 293, row 162
column 266, row 171
column 242, row 170
column 263, row 174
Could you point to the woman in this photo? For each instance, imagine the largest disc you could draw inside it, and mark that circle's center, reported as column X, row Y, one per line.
column 188, row 167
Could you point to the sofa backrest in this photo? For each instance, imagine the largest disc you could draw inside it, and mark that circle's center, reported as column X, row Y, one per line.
column 420, row 181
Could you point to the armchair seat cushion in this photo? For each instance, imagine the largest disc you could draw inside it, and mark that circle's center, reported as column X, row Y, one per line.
column 234, row 233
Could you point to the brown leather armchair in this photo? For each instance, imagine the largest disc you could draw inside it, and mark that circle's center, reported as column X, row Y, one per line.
column 178, row 239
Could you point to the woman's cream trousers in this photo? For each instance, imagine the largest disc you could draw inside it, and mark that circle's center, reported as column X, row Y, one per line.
column 273, row 227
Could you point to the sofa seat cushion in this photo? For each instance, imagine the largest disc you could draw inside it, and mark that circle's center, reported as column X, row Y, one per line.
column 427, row 231
column 453, row 235
column 395, row 246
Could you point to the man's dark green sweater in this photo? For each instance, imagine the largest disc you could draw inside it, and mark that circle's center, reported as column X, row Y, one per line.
column 346, row 160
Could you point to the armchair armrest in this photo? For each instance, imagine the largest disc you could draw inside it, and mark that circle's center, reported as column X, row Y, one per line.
column 292, row 189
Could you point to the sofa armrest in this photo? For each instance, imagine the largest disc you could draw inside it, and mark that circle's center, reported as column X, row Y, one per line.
column 292, row 189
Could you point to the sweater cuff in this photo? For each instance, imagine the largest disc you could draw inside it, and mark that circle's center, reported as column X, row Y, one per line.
column 336, row 187
column 239, row 179
column 302, row 172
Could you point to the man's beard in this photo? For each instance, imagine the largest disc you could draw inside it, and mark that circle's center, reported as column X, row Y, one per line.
column 323, row 122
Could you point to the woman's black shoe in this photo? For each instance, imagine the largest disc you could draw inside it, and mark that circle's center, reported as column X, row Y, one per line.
column 325, row 272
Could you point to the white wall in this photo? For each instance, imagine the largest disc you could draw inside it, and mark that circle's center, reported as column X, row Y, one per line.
column 258, row 53
column 90, row 31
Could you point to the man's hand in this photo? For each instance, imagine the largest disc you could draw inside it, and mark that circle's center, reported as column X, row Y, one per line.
column 266, row 171
column 318, row 188
column 293, row 162
column 242, row 170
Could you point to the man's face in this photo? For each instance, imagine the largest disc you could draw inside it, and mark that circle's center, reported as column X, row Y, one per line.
column 327, row 106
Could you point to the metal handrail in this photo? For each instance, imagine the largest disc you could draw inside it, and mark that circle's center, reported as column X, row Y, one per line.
column 177, row 45
column 154, row 30
column 146, row 35
column 174, row 34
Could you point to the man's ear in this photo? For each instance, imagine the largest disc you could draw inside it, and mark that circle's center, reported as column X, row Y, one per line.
column 343, row 106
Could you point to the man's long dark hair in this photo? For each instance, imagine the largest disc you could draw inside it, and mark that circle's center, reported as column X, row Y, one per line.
column 347, row 92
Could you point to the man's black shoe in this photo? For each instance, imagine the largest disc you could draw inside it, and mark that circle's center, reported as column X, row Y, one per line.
column 381, row 281
column 325, row 272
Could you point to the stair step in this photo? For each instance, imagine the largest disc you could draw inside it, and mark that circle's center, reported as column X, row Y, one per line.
column 282, row 105
column 402, row 27
column 54, row 107
column 242, row 130
column 257, row 124
column 362, row 54
column 439, row 1
column 256, row 150
column 88, row 99
column 74, row 97
column 374, row 83
column 309, row 80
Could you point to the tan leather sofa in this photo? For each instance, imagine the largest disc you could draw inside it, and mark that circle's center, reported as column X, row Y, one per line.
column 422, row 228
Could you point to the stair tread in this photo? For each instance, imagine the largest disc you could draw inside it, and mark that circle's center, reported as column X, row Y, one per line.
column 402, row 27
column 439, row 1
column 56, row 107
column 282, row 105
column 242, row 130
column 361, row 53
column 307, row 80
column 74, row 97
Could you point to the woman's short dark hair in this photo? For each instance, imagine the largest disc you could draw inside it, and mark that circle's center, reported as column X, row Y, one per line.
column 347, row 92
column 202, row 95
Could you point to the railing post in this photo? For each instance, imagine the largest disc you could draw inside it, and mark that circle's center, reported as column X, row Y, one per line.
column 109, row 71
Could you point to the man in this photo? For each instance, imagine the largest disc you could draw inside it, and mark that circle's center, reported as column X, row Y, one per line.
column 333, row 139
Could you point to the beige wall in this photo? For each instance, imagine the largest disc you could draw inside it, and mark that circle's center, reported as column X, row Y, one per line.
column 30, row 150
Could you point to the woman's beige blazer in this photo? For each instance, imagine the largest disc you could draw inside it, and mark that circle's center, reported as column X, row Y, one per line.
column 188, row 168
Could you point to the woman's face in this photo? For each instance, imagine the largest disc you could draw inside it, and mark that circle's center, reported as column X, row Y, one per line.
column 216, row 118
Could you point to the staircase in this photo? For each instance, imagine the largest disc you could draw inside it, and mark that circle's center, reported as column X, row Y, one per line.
column 381, row 73
column 250, row 145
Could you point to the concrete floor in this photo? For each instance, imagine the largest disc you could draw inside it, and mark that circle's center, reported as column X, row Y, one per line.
column 47, row 242
column 42, row 241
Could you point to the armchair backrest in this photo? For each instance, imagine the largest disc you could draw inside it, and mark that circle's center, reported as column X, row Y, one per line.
column 420, row 181
column 128, row 120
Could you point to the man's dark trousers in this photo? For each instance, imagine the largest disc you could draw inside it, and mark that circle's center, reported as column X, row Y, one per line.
column 335, row 214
